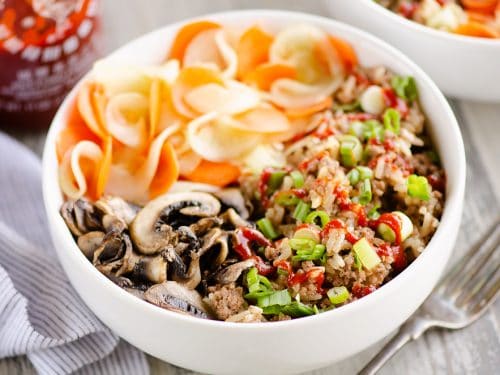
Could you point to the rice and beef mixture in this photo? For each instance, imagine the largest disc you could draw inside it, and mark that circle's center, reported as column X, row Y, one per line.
column 356, row 200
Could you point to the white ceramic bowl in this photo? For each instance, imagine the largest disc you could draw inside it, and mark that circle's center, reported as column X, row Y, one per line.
column 281, row 347
column 463, row 67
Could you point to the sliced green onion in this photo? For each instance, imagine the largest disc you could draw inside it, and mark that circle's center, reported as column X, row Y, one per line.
column 301, row 211
column 302, row 244
column 258, row 294
column 286, row 198
column 298, row 179
column 315, row 215
column 275, row 180
column 418, row 187
column 406, row 224
column 316, row 310
column 316, row 254
column 386, row 232
column 392, row 120
column 350, row 107
column 353, row 176
column 357, row 262
column 338, row 295
column 308, row 232
column 272, row 310
column 366, row 254
column 351, row 150
column 267, row 229
column 373, row 130
column 364, row 172
column 373, row 213
column 297, row 309
column 365, row 195
column 405, row 87
column 253, row 279
column 357, row 129
column 280, row 297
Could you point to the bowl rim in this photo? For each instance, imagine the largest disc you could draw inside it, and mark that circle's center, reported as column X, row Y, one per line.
column 453, row 202
column 415, row 26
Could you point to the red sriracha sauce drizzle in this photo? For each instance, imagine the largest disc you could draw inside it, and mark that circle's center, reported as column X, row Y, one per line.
column 263, row 182
column 407, row 9
column 315, row 274
column 392, row 222
column 345, row 204
column 337, row 224
column 359, row 290
column 245, row 237
column 393, row 101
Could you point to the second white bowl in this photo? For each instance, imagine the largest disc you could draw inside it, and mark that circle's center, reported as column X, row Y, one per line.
column 463, row 67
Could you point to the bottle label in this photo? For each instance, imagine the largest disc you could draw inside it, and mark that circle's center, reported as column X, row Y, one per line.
column 45, row 47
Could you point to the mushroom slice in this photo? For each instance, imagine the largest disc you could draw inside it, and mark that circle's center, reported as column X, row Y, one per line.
column 151, row 230
column 80, row 216
column 145, row 267
column 109, row 255
column 173, row 296
column 89, row 242
column 112, row 223
column 232, row 273
column 232, row 217
column 203, row 225
column 118, row 207
column 233, row 198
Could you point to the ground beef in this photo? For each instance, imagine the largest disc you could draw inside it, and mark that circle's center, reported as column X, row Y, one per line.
column 226, row 300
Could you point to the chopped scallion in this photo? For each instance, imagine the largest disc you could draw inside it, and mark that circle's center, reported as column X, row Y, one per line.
column 316, row 216
column 297, row 309
column 351, row 150
column 373, row 130
column 418, row 187
column 301, row 211
column 266, row 227
column 315, row 254
column 405, row 87
column 364, row 172
column 280, row 297
column 366, row 254
column 338, row 295
column 286, row 198
column 302, row 244
column 353, row 176
column 392, row 120
column 357, row 129
column 373, row 213
column 365, row 195
column 298, row 179
column 275, row 180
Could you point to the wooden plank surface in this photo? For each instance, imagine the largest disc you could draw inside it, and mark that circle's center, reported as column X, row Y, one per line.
column 474, row 350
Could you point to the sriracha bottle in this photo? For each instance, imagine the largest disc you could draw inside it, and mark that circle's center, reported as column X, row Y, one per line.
column 45, row 47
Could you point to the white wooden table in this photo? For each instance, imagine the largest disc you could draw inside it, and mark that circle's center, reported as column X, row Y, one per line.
column 474, row 350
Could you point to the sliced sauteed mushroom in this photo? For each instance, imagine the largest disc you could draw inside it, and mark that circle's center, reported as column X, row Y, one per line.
column 173, row 296
column 118, row 208
column 234, row 219
column 233, row 272
column 233, row 198
column 143, row 267
column 80, row 216
column 89, row 242
column 108, row 257
column 153, row 227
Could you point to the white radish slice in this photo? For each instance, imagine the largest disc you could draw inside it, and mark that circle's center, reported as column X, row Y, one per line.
column 189, row 79
column 263, row 119
column 188, row 162
column 118, row 79
column 203, row 49
column 297, row 46
column 211, row 47
column 263, row 156
column 228, row 54
column 167, row 72
column 233, row 98
column 133, row 185
column 182, row 186
column 212, row 138
column 72, row 178
column 126, row 116
column 288, row 93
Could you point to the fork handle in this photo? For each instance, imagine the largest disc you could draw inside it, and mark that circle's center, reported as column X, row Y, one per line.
column 411, row 330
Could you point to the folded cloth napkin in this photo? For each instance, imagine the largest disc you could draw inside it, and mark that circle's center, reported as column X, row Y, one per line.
column 41, row 315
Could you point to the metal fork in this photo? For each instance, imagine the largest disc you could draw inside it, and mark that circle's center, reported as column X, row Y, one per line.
column 460, row 298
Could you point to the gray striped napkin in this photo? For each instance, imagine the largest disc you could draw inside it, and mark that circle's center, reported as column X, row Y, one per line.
column 41, row 315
